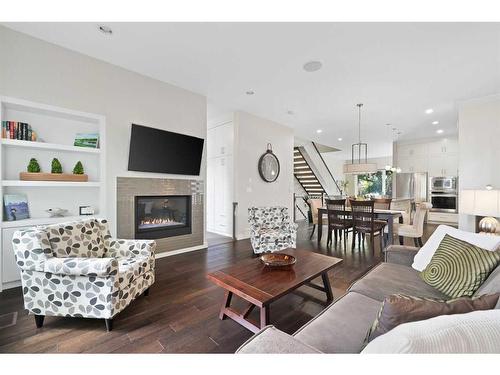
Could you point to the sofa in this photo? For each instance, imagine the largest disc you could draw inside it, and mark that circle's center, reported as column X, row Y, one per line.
column 77, row 269
column 271, row 229
column 343, row 326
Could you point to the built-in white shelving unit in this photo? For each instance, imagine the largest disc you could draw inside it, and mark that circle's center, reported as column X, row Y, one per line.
column 56, row 128
column 50, row 183
column 48, row 146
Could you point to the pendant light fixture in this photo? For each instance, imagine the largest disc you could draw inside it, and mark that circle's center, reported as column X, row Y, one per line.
column 360, row 164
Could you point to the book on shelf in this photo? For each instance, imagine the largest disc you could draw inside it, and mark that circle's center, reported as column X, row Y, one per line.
column 18, row 130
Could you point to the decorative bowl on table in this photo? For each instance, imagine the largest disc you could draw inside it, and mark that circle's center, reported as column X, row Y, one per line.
column 278, row 260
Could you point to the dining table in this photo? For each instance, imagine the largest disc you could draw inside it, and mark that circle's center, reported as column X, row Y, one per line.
column 382, row 214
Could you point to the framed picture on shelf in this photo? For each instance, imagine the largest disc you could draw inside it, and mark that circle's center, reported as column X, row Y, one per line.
column 16, row 207
column 87, row 140
column 87, row 210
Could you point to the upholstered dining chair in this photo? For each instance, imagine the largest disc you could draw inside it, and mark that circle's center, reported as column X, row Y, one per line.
column 416, row 229
column 314, row 204
column 271, row 229
column 77, row 269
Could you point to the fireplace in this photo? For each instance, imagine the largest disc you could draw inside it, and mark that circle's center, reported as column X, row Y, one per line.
column 160, row 216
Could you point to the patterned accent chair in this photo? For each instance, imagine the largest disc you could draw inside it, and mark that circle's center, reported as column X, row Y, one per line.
column 76, row 269
column 271, row 229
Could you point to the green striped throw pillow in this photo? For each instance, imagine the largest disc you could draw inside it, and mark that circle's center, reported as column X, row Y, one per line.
column 458, row 268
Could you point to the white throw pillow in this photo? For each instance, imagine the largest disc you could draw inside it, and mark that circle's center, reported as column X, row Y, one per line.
column 426, row 252
column 475, row 332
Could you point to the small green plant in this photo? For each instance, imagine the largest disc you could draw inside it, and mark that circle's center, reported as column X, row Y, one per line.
column 78, row 168
column 33, row 166
column 56, row 166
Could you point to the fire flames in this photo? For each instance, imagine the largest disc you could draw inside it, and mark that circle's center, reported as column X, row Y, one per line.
column 157, row 221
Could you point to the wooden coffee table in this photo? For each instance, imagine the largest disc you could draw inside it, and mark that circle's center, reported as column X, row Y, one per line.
column 260, row 285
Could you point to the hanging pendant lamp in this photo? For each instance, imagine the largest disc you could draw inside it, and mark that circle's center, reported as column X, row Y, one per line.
column 360, row 164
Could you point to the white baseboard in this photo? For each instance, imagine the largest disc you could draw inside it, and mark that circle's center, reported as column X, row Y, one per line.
column 10, row 284
column 220, row 233
column 181, row 251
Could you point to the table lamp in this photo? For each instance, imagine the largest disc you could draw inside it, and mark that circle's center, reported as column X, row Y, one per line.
column 482, row 203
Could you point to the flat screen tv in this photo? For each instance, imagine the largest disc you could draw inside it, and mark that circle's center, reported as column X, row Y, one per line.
column 160, row 151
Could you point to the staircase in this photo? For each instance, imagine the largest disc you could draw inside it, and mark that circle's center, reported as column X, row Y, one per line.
column 306, row 177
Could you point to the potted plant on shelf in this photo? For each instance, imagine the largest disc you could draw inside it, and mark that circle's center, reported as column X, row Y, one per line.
column 34, row 172
column 78, row 168
column 33, row 166
column 56, row 166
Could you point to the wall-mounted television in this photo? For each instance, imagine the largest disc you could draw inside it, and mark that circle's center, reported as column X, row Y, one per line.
column 160, row 151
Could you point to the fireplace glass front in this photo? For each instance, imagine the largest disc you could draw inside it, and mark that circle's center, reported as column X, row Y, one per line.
column 162, row 216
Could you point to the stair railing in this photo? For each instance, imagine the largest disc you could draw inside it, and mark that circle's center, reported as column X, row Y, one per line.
column 326, row 166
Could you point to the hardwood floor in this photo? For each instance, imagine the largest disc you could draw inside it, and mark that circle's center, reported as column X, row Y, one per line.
column 180, row 315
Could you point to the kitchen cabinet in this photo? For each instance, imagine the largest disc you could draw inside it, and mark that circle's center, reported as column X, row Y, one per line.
column 223, row 196
column 442, row 217
column 220, row 179
column 415, row 164
column 443, row 146
column 443, row 165
column 220, row 140
column 437, row 158
column 412, row 150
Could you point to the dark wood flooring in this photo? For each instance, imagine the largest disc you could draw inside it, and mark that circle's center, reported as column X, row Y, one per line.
column 180, row 315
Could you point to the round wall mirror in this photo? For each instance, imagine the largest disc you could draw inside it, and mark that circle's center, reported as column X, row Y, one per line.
column 269, row 165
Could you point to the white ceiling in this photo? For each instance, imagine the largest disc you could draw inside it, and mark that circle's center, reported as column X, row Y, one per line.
column 396, row 69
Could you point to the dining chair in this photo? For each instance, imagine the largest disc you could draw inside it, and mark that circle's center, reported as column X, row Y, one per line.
column 416, row 229
column 314, row 204
column 363, row 221
column 382, row 203
column 338, row 221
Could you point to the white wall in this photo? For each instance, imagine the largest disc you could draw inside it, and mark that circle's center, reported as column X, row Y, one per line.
column 252, row 134
column 39, row 71
column 479, row 144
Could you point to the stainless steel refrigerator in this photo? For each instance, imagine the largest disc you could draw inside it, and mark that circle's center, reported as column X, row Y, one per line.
column 412, row 185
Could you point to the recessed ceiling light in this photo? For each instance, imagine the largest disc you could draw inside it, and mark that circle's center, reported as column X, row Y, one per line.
column 440, row 131
column 312, row 66
column 250, row 92
column 435, row 122
column 105, row 29
column 319, row 131
column 429, row 111
column 339, row 139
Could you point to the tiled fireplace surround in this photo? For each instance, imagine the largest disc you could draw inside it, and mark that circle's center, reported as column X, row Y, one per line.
column 129, row 187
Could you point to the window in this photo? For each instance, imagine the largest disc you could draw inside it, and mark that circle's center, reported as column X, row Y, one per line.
column 373, row 184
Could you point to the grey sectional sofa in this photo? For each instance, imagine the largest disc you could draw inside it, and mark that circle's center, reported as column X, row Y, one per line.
column 342, row 326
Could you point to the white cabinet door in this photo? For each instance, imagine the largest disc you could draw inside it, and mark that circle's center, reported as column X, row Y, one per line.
column 220, row 140
column 10, row 271
column 223, row 195
column 412, row 150
column 450, row 146
column 225, row 137
column 443, row 165
column 420, row 164
column 404, row 164
column 443, row 146
column 415, row 164
column 211, row 170
column 436, row 148
column 212, row 143
column 436, row 165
